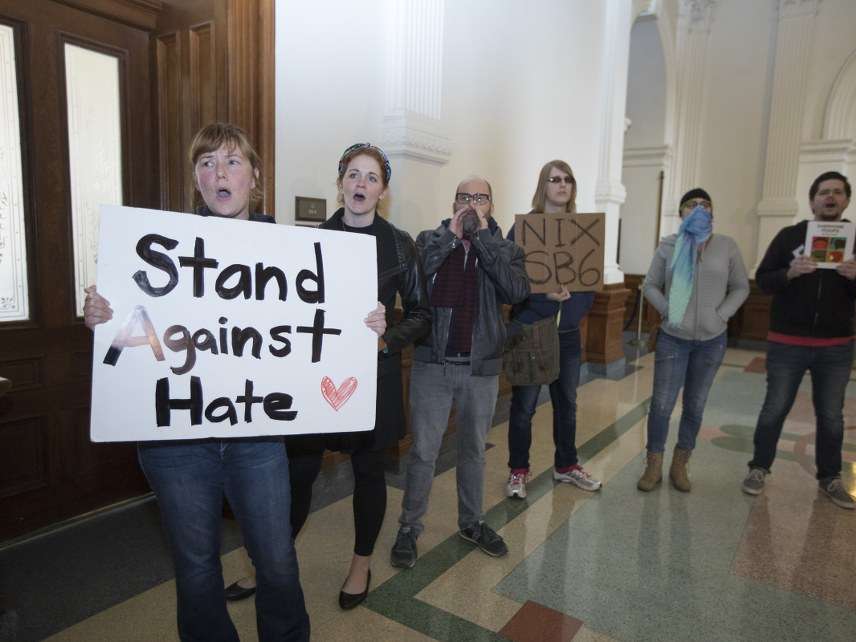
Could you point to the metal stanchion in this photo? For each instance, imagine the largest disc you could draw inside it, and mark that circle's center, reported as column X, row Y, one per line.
column 638, row 340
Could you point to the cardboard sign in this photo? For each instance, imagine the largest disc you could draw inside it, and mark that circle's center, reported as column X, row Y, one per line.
column 829, row 244
column 562, row 250
column 226, row 328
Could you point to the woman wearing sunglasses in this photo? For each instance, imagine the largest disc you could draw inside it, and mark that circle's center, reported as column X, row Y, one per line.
column 555, row 193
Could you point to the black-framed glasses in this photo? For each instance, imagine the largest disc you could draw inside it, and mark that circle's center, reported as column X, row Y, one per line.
column 463, row 198
column 559, row 179
column 695, row 202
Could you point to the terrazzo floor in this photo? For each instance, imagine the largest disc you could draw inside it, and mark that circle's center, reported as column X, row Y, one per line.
column 713, row 564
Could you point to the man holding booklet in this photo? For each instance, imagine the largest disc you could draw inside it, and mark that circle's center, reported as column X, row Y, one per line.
column 811, row 328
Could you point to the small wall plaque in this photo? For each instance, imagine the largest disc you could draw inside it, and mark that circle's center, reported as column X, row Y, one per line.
column 310, row 210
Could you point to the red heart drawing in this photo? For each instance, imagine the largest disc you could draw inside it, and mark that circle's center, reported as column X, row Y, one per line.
column 336, row 397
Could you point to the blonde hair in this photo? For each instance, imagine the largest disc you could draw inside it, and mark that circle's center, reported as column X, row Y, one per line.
column 216, row 135
column 539, row 200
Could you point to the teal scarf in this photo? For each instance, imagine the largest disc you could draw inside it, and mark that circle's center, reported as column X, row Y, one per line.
column 695, row 230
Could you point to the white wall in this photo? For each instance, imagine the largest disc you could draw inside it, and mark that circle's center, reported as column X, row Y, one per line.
column 834, row 41
column 329, row 93
column 733, row 146
column 646, row 86
column 520, row 87
column 646, row 109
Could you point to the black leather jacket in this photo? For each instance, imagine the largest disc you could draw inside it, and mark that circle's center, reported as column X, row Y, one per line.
column 501, row 279
column 405, row 279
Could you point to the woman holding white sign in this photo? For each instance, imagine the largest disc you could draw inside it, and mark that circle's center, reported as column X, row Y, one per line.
column 696, row 282
column 363, row 179
column 191, row 477
column 555, row 193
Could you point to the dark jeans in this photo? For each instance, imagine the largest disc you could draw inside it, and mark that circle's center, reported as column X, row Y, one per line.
column 563, row 394
column 190, row 480
column 681, row 363
column 369, row 501
column 830, row 372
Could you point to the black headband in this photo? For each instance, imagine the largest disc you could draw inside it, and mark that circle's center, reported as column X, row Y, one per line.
column 348, row 153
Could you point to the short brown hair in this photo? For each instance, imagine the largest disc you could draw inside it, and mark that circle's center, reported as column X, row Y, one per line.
column 539, row 200
column 829, row 176
column 214, row 136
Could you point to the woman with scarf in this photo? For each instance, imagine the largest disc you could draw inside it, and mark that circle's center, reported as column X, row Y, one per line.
column 696, row 282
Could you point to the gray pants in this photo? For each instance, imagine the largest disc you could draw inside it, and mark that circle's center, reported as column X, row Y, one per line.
column 433, row 388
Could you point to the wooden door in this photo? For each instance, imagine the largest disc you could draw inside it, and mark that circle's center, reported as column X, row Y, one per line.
column 49, row 470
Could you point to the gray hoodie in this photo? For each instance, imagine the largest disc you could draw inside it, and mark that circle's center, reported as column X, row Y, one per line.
column 720, row 288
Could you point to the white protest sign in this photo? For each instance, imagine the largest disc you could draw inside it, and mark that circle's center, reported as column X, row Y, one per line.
column 227, row 328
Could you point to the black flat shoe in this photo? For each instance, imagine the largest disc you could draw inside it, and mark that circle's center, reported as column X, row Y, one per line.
column 235, row 592
column 348, row 601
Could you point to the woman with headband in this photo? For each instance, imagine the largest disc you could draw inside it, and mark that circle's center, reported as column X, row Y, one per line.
column 363, row 181
column 696, row 282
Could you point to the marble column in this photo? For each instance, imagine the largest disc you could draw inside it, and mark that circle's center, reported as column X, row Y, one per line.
column 604, row 343
column 779, row 205
column 413, row 127
column 695, row 18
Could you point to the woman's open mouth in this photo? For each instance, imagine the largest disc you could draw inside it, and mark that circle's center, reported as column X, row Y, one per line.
column 224, row 193
column 359, row 198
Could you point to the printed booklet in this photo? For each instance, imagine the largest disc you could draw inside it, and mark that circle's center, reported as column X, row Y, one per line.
column 829, row 243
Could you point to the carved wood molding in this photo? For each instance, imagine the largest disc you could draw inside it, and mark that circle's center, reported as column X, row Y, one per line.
column 250, row 74
column 215, row 62
column 142, row 14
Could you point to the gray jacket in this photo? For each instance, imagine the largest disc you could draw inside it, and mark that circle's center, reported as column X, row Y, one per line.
column 720, row 288
column 501, row 279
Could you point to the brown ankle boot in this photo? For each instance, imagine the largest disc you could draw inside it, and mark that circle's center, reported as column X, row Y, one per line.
column 653, row 474
column 678, row 470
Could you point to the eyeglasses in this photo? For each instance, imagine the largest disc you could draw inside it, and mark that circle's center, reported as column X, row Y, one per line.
column 479, row 199
column 559, row 179
column 349, row 153
column 692, row 204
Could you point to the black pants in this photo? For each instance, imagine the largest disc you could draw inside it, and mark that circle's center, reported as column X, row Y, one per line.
column 304, row 462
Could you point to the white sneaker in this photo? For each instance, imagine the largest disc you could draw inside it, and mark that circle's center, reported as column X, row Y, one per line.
column 516, row 486
column 577, row 476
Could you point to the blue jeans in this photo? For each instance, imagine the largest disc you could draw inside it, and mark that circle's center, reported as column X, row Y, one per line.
column 681, row 363
column 563, row 395
column 190, row 479
column 830, row 372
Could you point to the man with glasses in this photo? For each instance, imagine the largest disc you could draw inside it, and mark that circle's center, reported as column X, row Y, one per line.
column 811, row 328
column 471, row 270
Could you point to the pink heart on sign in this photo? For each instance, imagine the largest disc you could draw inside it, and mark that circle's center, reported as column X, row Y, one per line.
column 336, row 397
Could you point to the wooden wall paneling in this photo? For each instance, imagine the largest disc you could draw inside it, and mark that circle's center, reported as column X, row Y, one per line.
column 170, row 135
column 45, row 480
column 250, row 73
column 221, row 67
column 142, row 14
column 755, row 314
column 25, row 467
column 604, row 340
column 267, row 100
